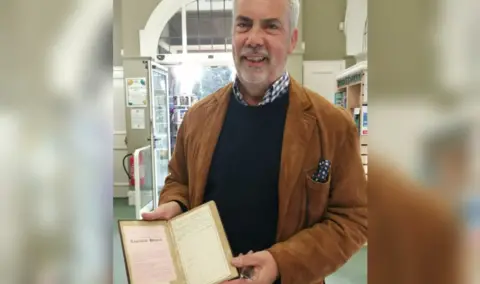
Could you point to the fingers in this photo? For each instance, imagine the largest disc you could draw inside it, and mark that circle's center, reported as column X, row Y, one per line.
column 241, row 254
column 250, row 259
column 238, row 261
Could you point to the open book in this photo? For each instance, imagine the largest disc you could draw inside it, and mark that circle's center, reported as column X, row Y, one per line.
column 191, row 248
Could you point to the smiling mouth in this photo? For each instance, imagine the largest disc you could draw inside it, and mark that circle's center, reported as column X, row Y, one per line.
column 255, row 59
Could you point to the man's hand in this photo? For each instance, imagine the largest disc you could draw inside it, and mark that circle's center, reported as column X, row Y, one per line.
column 265, row 270
column 163, row 212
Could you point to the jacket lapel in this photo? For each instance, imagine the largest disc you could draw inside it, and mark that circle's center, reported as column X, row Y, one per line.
column 215, row 114
column 299, row 126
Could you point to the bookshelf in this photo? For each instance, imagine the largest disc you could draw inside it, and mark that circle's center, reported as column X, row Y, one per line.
column 178, row 107
column 352, row 95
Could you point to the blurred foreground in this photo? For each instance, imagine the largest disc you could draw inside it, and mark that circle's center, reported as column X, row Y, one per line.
column 424, row 143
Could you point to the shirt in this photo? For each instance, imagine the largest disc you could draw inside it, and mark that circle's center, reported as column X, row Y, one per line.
column 276, row 90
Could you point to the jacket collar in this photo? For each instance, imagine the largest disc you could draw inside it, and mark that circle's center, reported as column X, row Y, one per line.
column 276, row 90
column 296, row 90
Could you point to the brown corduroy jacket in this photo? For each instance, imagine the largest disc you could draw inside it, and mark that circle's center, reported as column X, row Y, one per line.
column 320, row 225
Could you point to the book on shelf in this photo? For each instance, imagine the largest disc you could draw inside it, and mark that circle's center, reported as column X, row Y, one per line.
column 357, row 117
column 190, row 248
column 364, row 121
column 182, row 100
column 341, row 99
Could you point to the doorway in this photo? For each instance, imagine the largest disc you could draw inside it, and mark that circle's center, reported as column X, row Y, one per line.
column 321, row 77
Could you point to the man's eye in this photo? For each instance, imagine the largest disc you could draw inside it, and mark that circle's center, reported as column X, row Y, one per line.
column 273, row 27
column 241, row 25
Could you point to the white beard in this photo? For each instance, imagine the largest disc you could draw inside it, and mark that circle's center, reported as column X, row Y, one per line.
column 253, row 76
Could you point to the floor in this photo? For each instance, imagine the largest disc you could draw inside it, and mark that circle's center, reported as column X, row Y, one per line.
column 353, row 272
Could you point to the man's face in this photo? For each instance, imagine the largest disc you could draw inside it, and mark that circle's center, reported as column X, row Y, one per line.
column 262, row 40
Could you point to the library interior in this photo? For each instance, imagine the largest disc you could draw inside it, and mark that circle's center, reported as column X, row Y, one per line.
column 171, row 54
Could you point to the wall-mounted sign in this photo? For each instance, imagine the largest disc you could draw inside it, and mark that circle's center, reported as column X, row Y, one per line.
column 136, row 92
column 137, row 118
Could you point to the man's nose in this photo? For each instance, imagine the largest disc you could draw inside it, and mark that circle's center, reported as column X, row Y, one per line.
column 255, row 37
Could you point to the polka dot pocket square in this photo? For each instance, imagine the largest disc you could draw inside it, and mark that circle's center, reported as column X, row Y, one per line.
column 322, row 174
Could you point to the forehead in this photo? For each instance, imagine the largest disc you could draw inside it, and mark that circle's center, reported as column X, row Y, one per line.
column 262, row 9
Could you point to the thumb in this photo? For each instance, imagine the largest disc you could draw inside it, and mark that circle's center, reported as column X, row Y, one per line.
column 250, row 259
column 157, row 214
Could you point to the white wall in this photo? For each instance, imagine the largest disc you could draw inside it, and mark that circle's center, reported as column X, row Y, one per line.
column 119, row 148
column 355, row 17
column 458, row 33
column 295, row 66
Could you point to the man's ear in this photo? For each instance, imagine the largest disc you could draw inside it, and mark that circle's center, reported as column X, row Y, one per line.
column 293, row 40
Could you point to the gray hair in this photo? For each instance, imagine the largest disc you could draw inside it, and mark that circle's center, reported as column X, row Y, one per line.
column 294, row 13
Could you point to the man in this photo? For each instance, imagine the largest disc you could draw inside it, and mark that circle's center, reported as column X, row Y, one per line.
column 281, row 162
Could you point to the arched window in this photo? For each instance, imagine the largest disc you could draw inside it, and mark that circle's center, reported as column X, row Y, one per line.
column 204, row 26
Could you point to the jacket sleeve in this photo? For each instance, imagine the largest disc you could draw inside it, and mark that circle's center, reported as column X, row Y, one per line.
column 176, row 182
column 316, row 252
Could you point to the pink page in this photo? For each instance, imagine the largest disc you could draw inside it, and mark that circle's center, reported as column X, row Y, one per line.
column 150, row 258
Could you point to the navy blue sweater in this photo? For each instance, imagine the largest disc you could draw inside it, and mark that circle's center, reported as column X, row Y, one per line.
column 243, row 176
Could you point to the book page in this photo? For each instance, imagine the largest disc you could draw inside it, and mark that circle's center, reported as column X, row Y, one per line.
column 148, row 254
column 199, row 247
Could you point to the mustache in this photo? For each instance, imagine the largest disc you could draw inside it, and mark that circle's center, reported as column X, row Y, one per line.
column 254, row 52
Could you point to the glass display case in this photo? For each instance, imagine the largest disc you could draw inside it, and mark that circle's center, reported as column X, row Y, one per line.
column 160, row 127
column 148, row 124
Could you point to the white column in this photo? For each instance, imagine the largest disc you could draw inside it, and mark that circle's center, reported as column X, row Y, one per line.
column 184, row 29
